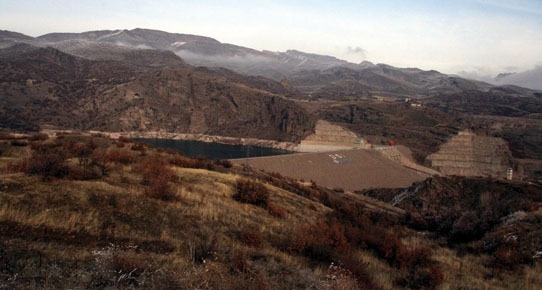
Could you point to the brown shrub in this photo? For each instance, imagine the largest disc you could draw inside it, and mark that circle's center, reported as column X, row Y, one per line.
column 509, row 257
column 251, row 236
column 38, row 137
column 180, row 161
column 421, row 278
column 19, row 143
column 204, row 247
column 82, row 173
column 82, row 151
column 420, row 270
column 239, row 261
column 251, row 191
column 276, row 210
column 357, row 269
column 126, row 157
column 160, row 188
column 48, row 162
column 224, row 163
column 157, row 176
column 321, row 241
column 17, row 166
column 142, row 148
column 124, row 139
column 185, row 162
column 100, row 159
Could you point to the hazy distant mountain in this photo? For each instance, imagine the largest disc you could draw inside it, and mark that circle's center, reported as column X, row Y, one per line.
column 380, row 80
column 317, row 76
column 9, row 38
column 529, row 79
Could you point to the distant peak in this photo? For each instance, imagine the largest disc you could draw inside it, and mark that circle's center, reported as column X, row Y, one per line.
column 503, row 75
column 366, row 63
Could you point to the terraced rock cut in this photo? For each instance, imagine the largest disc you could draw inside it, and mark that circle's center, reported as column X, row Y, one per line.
column 330, row 137
column 468, row 154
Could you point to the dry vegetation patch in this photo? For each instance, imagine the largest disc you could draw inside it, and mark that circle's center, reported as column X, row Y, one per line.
column 147, row 222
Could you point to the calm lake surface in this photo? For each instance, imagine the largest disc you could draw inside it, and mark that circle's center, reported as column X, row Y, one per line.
column 213, row 151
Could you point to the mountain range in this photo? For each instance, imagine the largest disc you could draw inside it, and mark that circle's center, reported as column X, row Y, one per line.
column 314, row 75
column 149, row 80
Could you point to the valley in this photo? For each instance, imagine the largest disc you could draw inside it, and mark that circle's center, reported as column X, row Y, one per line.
column 402, row 178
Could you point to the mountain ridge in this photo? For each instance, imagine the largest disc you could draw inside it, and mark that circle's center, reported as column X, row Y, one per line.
column 44, row 87
column 291, row 64
column 207, row 51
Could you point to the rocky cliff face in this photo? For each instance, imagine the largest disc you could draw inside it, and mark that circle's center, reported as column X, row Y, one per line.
column 470, row 155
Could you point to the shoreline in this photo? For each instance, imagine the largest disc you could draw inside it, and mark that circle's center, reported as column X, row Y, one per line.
column 290, row 146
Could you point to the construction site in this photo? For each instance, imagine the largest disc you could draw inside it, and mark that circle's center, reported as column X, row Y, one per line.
column 337, row 158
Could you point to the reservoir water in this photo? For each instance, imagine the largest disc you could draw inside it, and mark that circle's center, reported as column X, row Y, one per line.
column 213, row 151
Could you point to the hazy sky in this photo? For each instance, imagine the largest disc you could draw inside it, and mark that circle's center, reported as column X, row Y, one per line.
column 476, row 36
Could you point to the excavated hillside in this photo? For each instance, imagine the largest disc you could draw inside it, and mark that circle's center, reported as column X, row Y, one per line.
column 468, row 154
column 329, row 137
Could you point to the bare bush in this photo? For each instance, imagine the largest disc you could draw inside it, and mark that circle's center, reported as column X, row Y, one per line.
column 251, row 191
column 276, row 210
column 251, row 236
column 48, row 162
column 38, row 137
column 157, row 176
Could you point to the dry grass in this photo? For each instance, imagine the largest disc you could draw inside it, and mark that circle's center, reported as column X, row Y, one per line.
column 72, row 234
column 115, row 211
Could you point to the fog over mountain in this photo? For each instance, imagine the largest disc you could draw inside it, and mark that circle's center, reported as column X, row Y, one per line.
column 529, row 79
column 316, row 76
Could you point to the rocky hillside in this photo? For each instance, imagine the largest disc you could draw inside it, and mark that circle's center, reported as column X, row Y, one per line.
column 476, row 216
column 145, row 90
column 379, row 80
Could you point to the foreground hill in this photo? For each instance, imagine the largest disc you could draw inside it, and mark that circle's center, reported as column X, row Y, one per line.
column 148, row 91
column 476, row 215
column 93, row 213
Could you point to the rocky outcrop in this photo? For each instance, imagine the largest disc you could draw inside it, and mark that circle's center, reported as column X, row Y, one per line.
column 468, row 154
